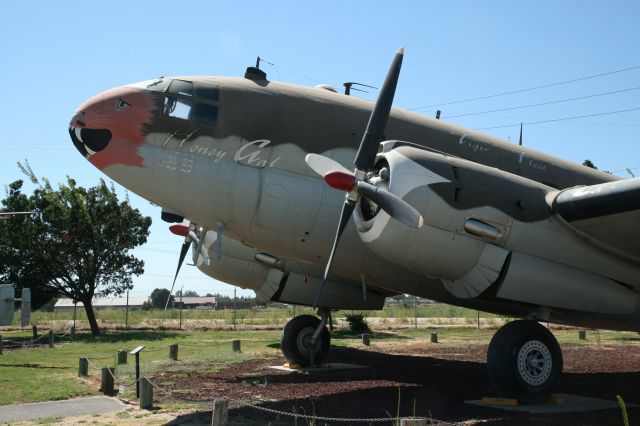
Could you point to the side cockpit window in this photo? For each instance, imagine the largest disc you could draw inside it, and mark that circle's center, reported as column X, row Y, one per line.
column 199, row 105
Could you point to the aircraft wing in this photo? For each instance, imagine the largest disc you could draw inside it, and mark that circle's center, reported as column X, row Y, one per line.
column 607, row 212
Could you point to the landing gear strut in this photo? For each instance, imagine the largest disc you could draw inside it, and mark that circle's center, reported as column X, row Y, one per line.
column 306, row 340
column 524, row 360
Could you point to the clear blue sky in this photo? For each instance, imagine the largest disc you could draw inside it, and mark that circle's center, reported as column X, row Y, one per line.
column 55, row 55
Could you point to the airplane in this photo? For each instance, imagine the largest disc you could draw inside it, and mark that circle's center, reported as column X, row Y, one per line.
column 262, row 179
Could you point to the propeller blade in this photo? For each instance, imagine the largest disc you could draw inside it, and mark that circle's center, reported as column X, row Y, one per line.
column 378, row 121
column 324, row 165
column 183, row 253
column 345, row 215
column 395, row 206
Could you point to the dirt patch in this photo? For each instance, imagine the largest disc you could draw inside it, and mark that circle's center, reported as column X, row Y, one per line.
column 437, row 379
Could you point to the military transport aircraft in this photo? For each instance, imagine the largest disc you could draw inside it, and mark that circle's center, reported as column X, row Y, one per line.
column 253, row 174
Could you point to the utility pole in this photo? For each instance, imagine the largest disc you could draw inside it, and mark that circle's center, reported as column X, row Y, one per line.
column 126, row 315
column 415, row 311
column 234, row 308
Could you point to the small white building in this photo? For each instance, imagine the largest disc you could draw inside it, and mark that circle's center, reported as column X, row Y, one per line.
column 66, row 305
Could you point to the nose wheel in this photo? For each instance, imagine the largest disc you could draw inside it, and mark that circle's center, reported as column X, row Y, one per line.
column 524, row 361
column 298, row 344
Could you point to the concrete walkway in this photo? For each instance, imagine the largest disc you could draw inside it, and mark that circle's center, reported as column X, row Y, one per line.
column 66, row 408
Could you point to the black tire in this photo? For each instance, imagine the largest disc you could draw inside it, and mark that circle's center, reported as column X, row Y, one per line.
column 295, row 340
column 524, row 361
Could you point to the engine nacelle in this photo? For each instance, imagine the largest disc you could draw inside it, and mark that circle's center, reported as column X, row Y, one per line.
column 276, row 280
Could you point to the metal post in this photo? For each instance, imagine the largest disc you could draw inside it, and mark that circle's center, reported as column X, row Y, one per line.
column 173, row 352
column 220, row 415
column 146, row 394
column 126, row 315
column 51, row 338
column 234, row 308
column 83, row 366
column 137, row 374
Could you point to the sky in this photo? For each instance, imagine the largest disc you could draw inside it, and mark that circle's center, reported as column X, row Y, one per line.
column 55, row 55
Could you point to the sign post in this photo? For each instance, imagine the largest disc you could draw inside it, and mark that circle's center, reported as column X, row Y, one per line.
column 136, row 352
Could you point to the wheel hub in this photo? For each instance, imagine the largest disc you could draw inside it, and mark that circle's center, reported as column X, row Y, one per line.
column 304, row 343
column 534, row 363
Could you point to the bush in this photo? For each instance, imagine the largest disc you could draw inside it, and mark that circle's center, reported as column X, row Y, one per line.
column 358, row 323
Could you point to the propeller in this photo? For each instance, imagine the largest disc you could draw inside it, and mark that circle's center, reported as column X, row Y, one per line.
column 182, row 230
column 353, row 183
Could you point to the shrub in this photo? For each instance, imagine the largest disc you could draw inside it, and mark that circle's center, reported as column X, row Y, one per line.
column 358, row 323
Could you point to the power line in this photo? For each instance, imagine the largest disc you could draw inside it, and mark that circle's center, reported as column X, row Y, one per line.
column 543, row 103
column 559, row 119
column 544, row 86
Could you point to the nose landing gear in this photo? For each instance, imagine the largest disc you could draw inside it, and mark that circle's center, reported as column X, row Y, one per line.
column 524, row 361
column 306, row 340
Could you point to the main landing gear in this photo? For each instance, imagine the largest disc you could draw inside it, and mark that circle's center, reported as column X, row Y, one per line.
column 524, row 361
column 306, row 340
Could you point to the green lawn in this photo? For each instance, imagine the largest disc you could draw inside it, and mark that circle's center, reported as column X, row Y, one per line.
column 51, row 373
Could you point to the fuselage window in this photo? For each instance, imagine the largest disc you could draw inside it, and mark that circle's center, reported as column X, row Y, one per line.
column 210, row 93
column 205, row 113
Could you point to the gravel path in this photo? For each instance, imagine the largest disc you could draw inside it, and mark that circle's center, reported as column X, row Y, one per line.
column 69, row 407
column 437, row 379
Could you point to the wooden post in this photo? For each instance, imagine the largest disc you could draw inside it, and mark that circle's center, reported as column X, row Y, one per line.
column 0, row 345
column 107, row 380
column 235, row 345
column 366, row 339
column 73, row 333
column 146, row 394
column 122, row 357
column 220, row 415
column 83, row 366
column 51, row 338
column 173, row 352
column 34, row 329
column 582, row 334
column 414, row 422
column 434, row 337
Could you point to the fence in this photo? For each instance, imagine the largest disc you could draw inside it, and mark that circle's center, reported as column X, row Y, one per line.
column 146, row 385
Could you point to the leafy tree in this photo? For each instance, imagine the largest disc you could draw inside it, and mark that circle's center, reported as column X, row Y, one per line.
column 159, row 298
column 588, row 163
column 77, row 242
column 190, row 293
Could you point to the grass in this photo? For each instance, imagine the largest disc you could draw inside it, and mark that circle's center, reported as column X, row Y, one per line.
column 44, row 373
column 272, row 315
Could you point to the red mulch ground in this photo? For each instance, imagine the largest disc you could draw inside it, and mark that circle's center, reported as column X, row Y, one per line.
column 439, row 379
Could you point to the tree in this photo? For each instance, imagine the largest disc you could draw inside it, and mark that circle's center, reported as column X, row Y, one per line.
column 190, row 293
column 78, row 241
column 588, row 163
column 159, row 298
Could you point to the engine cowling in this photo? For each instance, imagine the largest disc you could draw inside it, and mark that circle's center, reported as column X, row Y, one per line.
column 276, row 280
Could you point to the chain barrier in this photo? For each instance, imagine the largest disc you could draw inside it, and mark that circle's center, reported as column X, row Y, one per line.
column 288, row 413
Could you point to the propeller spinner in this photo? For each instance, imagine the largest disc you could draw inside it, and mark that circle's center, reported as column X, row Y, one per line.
column 353, row 183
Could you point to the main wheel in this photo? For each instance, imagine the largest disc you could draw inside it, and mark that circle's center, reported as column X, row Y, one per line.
column 524, row 360
column 296, row 341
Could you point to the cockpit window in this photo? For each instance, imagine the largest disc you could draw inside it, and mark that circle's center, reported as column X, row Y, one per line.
column 199, row 106
column 180, row 87
column 210, row 93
